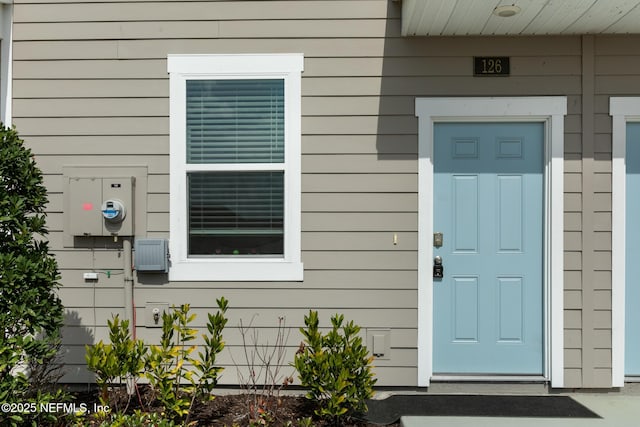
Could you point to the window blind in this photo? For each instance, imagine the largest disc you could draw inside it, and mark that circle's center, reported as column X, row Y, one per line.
column 235, row 121
column 236, row 212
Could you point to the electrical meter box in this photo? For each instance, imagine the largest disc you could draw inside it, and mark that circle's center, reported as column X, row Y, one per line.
column 100, row 206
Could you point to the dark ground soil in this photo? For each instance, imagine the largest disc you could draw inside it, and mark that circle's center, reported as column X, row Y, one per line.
column 236, row 409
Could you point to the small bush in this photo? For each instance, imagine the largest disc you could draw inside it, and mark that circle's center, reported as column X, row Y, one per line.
column 116, row 363
column 336, row 367
column 137, row 419
column 166, row 366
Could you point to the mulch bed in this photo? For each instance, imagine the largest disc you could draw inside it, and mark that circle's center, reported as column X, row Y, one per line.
column 233, row 409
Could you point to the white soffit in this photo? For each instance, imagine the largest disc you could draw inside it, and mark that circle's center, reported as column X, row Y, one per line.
column 535, row 17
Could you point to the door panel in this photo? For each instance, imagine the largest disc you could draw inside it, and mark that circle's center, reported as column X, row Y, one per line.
column 465, row 220
column 632, row 288
column 488, row 203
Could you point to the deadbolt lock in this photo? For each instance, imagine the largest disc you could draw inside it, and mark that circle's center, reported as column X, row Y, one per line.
column 438, row 269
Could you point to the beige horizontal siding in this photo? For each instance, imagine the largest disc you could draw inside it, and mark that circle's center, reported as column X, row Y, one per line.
column 92, row 296
column 313, row 67
column 52, row 163
column 358, row 260
column 94, row 107
column 401, row 339
column 373, row 318
column 91, row 87
column 384, row 146
column 188, row 11
column 359, row 221
column 359, row 163
column 352, row 86
column 68, row 145
column 360, row 183
column 90, row 69
column 296, row 298
column 312, row 47
column 365, row 144
column 572, row 202
column 618, row 65
column 359, row 202
column 443, row 85
column 98, row 88
column 362, row 241
column 197, row 29
column 94, row 126
column 327, row 280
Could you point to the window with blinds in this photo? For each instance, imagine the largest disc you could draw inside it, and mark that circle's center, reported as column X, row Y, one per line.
column 235, row 124
column 235, row 121
column 236, row 213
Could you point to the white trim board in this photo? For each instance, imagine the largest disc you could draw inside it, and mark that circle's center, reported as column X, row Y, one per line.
column 549, row 110
column 622, row 110
column 181, row 68
column 6, row 34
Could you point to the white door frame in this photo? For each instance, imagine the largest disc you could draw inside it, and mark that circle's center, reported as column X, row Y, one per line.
column 549, row 110
column 623, row 110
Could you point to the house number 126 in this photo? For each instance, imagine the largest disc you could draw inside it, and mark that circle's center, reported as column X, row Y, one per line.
column 491, row 66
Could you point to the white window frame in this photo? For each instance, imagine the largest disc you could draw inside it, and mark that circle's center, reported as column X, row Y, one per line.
column 623, row 110
column 241, row 66
column 549, row 110
column 6, row 34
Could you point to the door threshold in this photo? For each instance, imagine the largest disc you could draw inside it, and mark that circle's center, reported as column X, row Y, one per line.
column 489, row 378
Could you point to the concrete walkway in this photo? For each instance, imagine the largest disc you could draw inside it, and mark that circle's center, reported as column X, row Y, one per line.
column 616, row 410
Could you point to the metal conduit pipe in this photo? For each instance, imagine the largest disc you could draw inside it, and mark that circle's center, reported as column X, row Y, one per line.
column 128, row 285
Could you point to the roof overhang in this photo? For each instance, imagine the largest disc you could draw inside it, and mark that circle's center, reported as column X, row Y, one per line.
column 528, row 17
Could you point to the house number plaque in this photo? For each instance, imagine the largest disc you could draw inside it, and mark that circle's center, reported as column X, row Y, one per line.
column 491, row 66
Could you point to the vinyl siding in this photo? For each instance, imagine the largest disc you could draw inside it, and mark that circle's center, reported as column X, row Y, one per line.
column 91, row 87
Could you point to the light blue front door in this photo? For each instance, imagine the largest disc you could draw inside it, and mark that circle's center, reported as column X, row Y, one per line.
column 632, row 262
column 488, row 205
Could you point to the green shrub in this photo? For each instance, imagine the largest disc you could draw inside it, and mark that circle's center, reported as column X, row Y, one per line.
column 166, row 365
column 116, row 363
column 336, row 367
column 176, row 376
column 213, row 345
column 31, row 313
column 137, row 419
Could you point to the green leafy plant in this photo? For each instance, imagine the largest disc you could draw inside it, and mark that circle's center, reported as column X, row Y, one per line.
column 305, row 422
column 32, row 314
column 137, row 419
column 335, row 367
column 177, row 378
column 213, row 345
column 122, row 361
column 166, row 364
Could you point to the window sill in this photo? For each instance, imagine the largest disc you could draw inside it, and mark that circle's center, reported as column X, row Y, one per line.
column 265, row 270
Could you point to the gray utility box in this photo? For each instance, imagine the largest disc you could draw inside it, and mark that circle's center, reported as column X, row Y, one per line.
column 86, row 197
column 151, row 255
